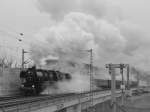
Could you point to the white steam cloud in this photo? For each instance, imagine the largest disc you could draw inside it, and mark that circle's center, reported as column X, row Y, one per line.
column 80, row 25
column 79, row 32
column 58, row 9
column 79, row 83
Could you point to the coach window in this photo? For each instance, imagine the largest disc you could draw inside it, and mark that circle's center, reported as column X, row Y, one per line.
column 50, row 75
column 39, row 74
column 46, row 74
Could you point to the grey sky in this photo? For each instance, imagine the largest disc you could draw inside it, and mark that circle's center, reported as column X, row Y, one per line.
column 24, row 16
column 21, row 15
column 138, row 11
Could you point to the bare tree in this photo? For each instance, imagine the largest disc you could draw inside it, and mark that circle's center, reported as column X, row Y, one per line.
column 9, row 62
column 6, row 62
column 2, row 61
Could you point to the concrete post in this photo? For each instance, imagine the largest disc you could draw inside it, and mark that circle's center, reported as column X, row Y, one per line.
column 128, row 80
column 122, row 85
column 113, row 88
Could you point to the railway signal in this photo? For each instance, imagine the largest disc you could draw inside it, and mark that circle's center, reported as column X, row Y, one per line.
column 113, row 85
column 112, row 73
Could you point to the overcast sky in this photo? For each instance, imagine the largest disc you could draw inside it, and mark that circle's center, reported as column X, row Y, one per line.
column 137, row 11
column 26, row 17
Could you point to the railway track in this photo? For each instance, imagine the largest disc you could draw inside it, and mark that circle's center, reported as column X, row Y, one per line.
column 18, row 99
column 7, row 102
column 3, row 98
column 36, row 102
column 12, row 101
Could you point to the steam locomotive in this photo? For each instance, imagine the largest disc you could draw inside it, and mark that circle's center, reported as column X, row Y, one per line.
column 32, row 79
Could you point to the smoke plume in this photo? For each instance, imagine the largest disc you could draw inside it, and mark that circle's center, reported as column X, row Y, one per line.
column 79, row 83
column 79, row 25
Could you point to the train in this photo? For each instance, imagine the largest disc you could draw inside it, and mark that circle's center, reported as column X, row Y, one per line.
column 32, row 79
column 106, row 84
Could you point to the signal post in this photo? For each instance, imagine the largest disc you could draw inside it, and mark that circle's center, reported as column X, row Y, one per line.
column 111, row 68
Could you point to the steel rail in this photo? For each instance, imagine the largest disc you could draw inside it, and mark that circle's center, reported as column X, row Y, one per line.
column 8, row 103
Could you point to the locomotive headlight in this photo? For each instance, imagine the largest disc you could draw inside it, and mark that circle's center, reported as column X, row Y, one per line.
column 33, row 86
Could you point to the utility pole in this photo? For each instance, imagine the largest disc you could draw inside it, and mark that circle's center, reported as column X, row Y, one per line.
column 121, row 66
column 113, row 85
column 23, row 62
column 91, row 80
column 122, row 83
column 128, row 81
column 91, row 76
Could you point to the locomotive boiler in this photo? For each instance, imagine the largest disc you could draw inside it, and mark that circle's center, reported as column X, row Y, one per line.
column 32, row 79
